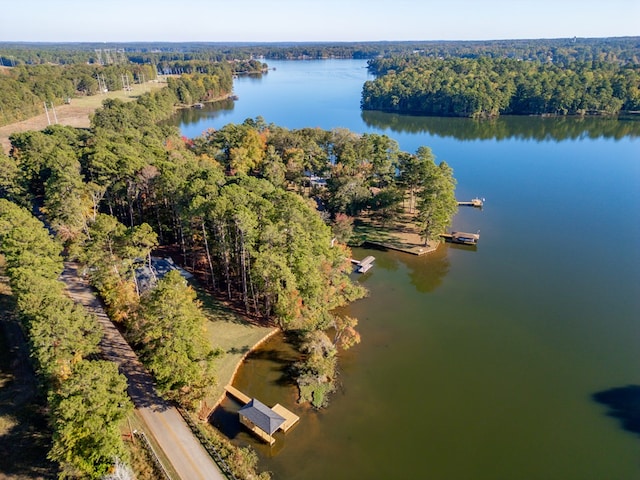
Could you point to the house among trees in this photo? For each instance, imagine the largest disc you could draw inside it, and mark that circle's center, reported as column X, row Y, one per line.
column 146, row 278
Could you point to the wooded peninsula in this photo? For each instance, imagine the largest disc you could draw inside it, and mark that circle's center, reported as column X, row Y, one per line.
column 236, row 206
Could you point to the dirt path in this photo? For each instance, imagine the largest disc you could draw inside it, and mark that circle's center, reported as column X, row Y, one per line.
column 76, row 114
column 187, row 456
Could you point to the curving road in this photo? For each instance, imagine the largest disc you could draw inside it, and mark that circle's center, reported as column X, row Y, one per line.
column 187, row 456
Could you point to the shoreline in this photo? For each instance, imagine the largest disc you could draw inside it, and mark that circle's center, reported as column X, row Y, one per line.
column 220, row 98
column 217, row 403
column 409, row 248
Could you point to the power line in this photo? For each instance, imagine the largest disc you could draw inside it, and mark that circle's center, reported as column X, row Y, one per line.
column 102, row 85
column 125, row 82
column 53, row 110
column 46, row 111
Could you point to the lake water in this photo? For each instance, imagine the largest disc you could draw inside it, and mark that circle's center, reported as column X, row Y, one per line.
column 474, row 363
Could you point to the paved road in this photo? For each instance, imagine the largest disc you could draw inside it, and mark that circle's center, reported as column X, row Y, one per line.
column 182, row 448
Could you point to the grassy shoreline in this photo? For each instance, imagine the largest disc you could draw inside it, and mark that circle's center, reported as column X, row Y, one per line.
column 236, row 335
column 399, row 232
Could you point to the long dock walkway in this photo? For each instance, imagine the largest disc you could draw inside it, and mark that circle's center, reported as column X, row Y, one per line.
column 237, row 394
column 475, row 202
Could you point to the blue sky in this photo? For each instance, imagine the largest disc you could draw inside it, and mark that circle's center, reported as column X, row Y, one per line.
column 313, row 20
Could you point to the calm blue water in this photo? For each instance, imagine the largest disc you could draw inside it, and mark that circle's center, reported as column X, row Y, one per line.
column 474, row 364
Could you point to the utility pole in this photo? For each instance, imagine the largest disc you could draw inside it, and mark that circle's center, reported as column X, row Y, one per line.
column 47, row 113
column 55, row 116
column 125, row 82
column 102, row 85
column 53, row 110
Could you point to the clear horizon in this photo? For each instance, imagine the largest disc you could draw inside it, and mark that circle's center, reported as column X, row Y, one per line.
column 308, row 21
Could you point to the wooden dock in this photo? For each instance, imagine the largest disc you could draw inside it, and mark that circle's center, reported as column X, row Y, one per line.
column 475, row 202
column 258, row 432
column 364, row 265
column 463, row 238
column 290, row 418
column 237, row 394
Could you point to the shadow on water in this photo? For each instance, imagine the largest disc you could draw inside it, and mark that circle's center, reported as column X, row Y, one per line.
column 428, row 272
column 271, row 354
column 281, row 362
column 225, row 419
column 624, row 404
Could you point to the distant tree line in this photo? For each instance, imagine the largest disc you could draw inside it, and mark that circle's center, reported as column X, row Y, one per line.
column 560, row 51
column 234, row 67
column 488, row 87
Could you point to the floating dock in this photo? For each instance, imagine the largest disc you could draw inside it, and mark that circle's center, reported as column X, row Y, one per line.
column 475, row 202
column 463, row 238
column 363, row 266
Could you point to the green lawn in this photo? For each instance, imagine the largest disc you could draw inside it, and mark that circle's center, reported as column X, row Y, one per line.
column 398, row 233
column 233, row 334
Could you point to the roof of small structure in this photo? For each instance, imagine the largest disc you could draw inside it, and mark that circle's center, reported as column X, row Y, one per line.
column 148, row 277
column 473, row 236
column 262, row 416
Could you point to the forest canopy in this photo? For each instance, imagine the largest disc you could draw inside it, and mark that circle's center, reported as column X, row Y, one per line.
column 488, row 87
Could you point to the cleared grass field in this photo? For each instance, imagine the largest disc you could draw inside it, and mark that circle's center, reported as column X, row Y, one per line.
column 76, row 114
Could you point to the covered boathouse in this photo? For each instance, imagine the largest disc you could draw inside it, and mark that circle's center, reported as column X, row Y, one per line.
column 462, row 237
column 261, row 420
